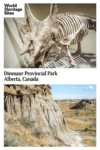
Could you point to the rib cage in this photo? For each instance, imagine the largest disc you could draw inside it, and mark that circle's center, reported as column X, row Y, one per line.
column 69, row 24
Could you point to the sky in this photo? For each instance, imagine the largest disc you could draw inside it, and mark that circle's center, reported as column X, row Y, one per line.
column 73, row 91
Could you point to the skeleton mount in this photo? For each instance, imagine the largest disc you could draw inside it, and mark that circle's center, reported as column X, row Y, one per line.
column 61, row 30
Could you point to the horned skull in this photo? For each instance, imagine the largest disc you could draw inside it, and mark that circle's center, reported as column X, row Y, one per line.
column 38, row 36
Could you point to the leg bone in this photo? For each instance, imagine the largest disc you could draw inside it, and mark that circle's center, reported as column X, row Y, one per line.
column 78, row 52
column 71, row 61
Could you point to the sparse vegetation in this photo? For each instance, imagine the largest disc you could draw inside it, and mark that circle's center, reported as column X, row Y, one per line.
column 38, row 133
column 90, row 142
column 11, row 141
column 26, row 122
column 82, row 120
column 18, row 132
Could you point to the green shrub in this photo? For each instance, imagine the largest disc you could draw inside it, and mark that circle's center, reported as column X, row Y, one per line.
column 26, row 122
column 39, row 133
column 72, row 115
column 11, row 141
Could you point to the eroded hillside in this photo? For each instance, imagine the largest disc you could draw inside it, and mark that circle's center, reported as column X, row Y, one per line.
column 32, row 118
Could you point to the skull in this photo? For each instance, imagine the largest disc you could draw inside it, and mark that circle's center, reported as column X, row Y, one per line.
column 38, row 36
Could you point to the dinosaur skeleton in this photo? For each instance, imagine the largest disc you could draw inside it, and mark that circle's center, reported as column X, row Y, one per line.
column 72, row 29
column 60, row 29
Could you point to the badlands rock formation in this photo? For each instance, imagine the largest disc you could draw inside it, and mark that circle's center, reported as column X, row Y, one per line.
column 36, row 103
column 85, row 104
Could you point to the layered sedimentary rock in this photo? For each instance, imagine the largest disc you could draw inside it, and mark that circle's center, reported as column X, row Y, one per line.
column 36, row 103
column 85, row 104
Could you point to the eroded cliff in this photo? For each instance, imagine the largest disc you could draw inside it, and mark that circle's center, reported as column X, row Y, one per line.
column 36, row 103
